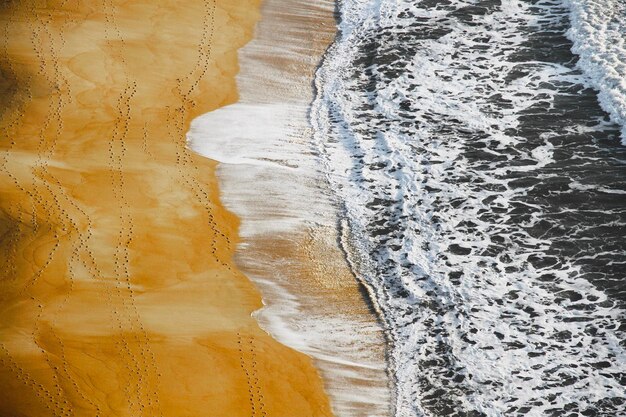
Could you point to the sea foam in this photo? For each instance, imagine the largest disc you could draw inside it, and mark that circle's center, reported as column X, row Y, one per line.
column 462, row 140
column 598, row 31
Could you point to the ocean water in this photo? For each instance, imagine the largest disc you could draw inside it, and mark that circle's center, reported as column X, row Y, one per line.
column 474, row 146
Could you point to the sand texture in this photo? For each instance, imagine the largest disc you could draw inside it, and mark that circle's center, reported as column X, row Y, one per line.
column 118, row 293
column 289, row 230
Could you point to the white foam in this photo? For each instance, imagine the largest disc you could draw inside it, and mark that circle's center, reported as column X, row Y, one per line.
column 598, row 31
column 268, row 170
column 269, row 176
column 407, row 192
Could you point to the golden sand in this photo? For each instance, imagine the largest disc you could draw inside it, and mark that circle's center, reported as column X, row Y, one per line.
column 118, row 295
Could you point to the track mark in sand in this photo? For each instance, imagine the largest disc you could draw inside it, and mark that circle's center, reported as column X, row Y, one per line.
column 249, row 365
column 11, row 121
column 184, row 166
column 72, row 224
column 205, row 47
column 144, row 142
column 62, row 216
column 143, row 363
column 177, row 118
column 41, row 393
column 44, row 194
column 255, row 377
column 242, row 363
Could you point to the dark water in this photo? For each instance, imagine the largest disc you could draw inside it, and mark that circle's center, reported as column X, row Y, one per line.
column 485, row 191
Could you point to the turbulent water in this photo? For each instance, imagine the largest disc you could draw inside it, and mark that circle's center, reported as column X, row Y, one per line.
column 475, row 147
column 598, row 31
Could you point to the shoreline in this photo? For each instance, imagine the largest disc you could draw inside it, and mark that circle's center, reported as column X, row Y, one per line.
column 121, row 296
column 290, row 234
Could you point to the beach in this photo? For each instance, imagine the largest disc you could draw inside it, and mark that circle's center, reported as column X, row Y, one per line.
column 295, row 208
column 291, row 234
column 120, row 295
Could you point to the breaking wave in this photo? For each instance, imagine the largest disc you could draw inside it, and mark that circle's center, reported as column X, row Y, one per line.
column 484, row 194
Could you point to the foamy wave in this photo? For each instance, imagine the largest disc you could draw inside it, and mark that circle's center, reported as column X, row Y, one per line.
column 451, row 131
column 599, row 35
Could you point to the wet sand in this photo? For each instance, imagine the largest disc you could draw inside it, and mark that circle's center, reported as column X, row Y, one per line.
column 290, row 235
column 119, row 296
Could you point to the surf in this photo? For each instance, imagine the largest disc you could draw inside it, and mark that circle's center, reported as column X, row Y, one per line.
column 481, row 188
